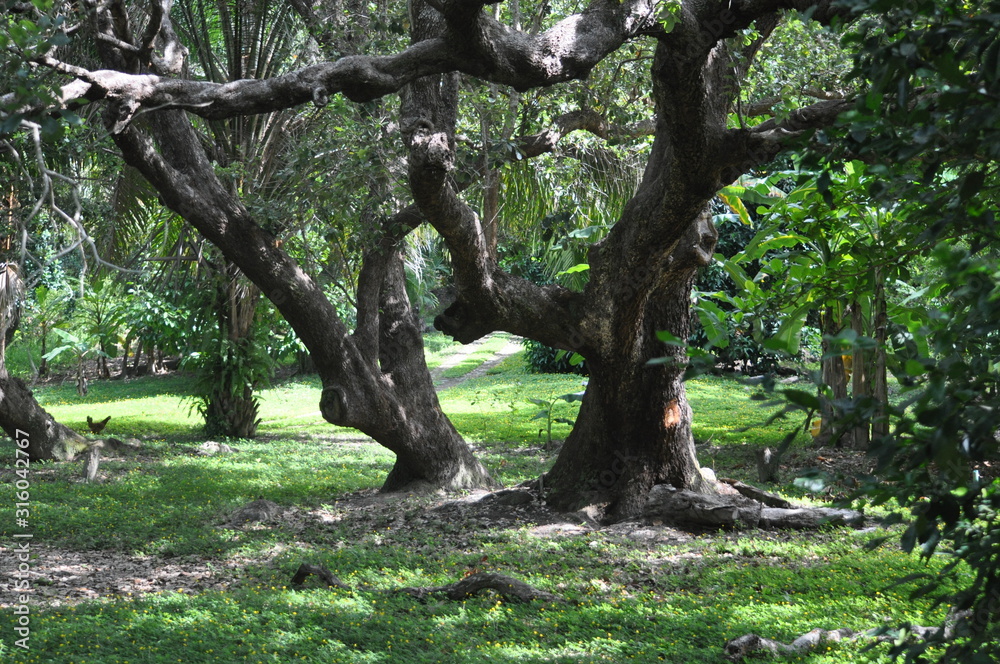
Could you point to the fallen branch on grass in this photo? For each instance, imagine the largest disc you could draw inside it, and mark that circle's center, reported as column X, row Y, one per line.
column 502, row 584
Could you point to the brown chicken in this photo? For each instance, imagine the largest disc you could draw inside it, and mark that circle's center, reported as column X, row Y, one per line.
column 97, row 427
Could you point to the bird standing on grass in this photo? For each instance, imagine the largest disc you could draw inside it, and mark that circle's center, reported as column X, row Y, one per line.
column 97, row 427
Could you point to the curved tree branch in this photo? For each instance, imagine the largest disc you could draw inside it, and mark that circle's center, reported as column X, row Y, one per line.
column 487, row 49
column 744, row 149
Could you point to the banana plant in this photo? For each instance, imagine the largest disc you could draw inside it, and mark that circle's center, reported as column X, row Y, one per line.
column 80, row 349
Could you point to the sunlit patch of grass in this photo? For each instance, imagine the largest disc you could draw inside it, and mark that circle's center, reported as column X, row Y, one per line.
column 668, row 602
column 494, row 408
column 627, row 601
column 174, row 503
column 725, row 413
column 148, row 406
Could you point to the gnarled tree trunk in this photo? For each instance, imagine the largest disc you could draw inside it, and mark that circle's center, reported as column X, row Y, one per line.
column 696, row 76
column 22, row 418
column 634, row 426
column 364, row 385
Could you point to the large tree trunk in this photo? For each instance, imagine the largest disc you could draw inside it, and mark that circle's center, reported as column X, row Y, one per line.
column 429, row 450
column 23, row 419
column 358, row 392
column 634, row 426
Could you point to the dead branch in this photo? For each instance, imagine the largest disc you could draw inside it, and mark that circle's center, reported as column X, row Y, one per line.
column 501, row 584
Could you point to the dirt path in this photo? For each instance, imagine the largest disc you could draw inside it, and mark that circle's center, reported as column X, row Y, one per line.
column 447, row 383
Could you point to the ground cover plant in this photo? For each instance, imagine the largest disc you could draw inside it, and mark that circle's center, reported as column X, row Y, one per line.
column 143, row 566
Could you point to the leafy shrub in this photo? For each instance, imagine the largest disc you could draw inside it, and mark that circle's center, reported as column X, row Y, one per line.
column 545, row 359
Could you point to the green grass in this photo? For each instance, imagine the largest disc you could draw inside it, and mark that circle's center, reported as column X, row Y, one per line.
column 169, row 502
column 677, row 601
column 674, row 603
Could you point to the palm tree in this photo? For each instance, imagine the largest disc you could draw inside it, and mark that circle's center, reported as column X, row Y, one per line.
column 230, row 40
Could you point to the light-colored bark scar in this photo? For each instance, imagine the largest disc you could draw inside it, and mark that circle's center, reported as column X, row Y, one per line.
column 671, row 414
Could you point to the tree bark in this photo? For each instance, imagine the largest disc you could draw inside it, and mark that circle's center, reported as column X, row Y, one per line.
column 880, row 388
column 860, row 381
column 429, row 440
column 23, row 419
column 634, row 426
column 834, row 375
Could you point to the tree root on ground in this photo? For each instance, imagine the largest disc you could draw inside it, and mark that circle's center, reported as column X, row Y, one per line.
column 761, row 496
column 502, row 584
column 752, row 645
column 329, row 578
column 691, row 509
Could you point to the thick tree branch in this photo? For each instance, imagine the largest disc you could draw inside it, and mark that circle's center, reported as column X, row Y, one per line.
column 488, row 298
column 766, row 106
column 185, row 179
column 491, row 51
column 747, row 11
column 744, row 149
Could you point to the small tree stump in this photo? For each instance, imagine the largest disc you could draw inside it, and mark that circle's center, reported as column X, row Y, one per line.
column 93, row 461
column 767, row 464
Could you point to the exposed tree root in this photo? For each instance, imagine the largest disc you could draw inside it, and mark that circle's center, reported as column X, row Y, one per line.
column 328, row 577
column 502, row 584
column 752, row 492
column 752, row 645
column 666, row 504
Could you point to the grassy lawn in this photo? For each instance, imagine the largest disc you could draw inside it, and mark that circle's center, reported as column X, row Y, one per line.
column 676, row 599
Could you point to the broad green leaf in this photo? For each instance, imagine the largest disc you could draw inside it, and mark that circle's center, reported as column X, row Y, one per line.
column 579, row 267
column 806, row 400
